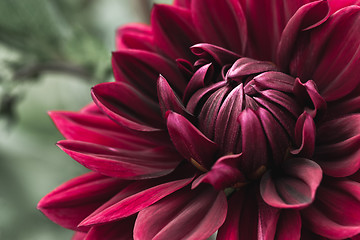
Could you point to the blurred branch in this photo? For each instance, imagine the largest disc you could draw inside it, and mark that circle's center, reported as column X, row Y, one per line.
column 35, row 70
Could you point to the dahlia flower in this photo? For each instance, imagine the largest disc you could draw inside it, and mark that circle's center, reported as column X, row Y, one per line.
column 240, row 117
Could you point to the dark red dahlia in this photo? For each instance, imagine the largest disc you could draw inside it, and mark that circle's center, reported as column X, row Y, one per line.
column 236, row 116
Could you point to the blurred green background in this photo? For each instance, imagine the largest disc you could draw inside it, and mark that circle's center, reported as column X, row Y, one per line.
column 51, row 53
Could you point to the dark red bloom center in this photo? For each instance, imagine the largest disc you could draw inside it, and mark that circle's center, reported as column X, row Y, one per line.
column 249, row 107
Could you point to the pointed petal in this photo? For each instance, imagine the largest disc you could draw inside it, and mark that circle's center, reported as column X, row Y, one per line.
column 275, row 80
column 227, row 20
column 267, row 220
column 127, row 106
column 277, row 138
column 227, row 128
column 79, row 236
column 135, row 36
column 149, row 163
column 215, row 53
column 201, row 76
column 247, row 66
column 73, row 201
column 335, row 213
column 190, row 142
column 173, row 30
column 266, row 20
column 169, row 100
column 242, row 218
column 120, row 230
column 308, row 16
column 295, row 187
column 224, row 173
column 288, row 225
column 254, row 155
column 319, row 56
column 96, row 128
column 136, row 202
column 141, row 69
column 305, row 134
column 183, row 3
column 210, row 110
column 186, row 214
column 338, row 146
column 307, row 93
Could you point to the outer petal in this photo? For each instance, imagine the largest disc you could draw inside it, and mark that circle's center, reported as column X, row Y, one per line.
column 288, row 225
column 186, row 214
column 169, row 100
column 96, row 128
column 136, row 202
column 335, row 213
column 190, row 142
column 307, row 17
column 120, row 230
column 294, row 188
column 127, row 106
column 79, row 236
column 224, row 173
column 266, row 20
column 153, row 162
column 213, row 53
column 73, row 201
column 221, row 23
column 242, row 218
column 304, row 136
column 141, row 69
column 173, row 31
column 329, row 54
column 135, row 36
column 338, row 146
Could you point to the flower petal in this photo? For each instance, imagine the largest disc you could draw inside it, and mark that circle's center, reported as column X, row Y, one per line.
column 125, row 105
column 136, row 202
column 173, row 31
column 120, row 230
column 288, row 225
column 266, row 20
column 224, row 173
column 135, row 36
column 79, row 236
column 295, row 187
column 338, row 146
column 329, row 54
column 254, row 155
column 335, row 213
column 242, row 218
column 186, row 214
column 308, row 16
column 190, row 142
column 141, row 69
column 227, row 20
column 149, row 163
column 169, row 100
column 73, row 201
column 307, row 93
column 96, row 128
column 305, row 133
column 213, row 53
column 227, row 128
column 198, row 80
column 275, row 80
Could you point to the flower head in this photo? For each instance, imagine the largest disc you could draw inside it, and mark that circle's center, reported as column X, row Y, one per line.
column 236, row 116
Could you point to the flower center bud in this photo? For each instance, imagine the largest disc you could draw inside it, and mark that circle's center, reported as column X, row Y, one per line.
column 248, row 107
